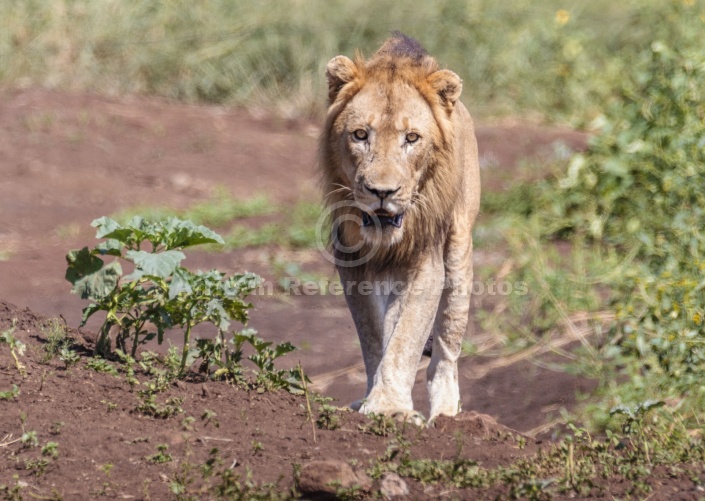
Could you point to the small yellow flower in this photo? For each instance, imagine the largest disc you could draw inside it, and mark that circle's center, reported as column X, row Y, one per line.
column 697, row 319
column 562, row 16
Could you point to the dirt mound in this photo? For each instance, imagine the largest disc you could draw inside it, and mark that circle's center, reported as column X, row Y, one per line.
column 105, row 445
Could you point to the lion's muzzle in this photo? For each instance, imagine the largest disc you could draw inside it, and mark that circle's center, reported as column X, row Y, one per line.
column 382, row 219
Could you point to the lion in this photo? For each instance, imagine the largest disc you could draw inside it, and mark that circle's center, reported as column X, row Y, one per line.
column 399, row 166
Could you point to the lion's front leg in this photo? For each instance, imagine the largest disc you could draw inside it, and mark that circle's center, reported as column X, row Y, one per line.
column 407, row 317
column 449, row 329
column 367, row 310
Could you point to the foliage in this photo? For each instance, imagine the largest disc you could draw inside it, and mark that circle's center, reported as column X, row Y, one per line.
column 580, row 465
column 631, row 211
column 268, row 377
column 98, row 364
column 219, row 210
column 159, row 294
column 512, row 56
column 328, row 418
column 162, row 456
column 58, row 343
column 638, row 189
column 297, row 230
column 10, row 394
column 17, row 347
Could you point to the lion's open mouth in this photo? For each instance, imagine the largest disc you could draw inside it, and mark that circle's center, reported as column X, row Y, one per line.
column 384, row 218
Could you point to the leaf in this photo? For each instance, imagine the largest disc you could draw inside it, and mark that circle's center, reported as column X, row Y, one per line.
column 111, row 247
column 622, row 409
column 88, row 311
column 181, row 282
column 217, row 314
column 105, row 226
column 90, row 278
column 133, row 232
column 283, row 349
column 181, row 234
column 645, row 407
column 162, row 264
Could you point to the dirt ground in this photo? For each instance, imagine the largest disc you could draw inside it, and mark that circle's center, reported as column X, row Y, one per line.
column 66, row 159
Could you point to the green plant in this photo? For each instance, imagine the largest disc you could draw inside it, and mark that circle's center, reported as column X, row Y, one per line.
column 129, row 368
column 229, row 485
column 51, row 449
column 150, row 407
column 10, row 394
column 634, row 423
column 209, row 416
column 17, row 347
column 101, row 365
column 110, row 405
column 159, row 294
column 328, row 418
column 162, row 456
column 56, row 427
column 69, row 357
column 29, row 439
column 57, row 339
column 12, row 492
column 37, row 466
column 268, row 377
column 634, row 191
column 380, row 425
column 187, row 423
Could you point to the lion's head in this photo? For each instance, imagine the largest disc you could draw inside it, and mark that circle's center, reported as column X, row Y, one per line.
column 386, row 152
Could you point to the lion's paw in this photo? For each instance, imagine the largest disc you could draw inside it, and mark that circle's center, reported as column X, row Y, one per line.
column 409, row 416
column 356, row 405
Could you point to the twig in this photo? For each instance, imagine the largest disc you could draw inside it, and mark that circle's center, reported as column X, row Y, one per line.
column 217, row 438
column 308, row 402
column 6, row 441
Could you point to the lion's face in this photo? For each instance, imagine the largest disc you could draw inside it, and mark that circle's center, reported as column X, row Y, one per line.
column 388, row 146
column 385, row 143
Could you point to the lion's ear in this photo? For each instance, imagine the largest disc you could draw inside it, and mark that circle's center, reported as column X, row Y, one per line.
column 448, row 85
column 340, row 70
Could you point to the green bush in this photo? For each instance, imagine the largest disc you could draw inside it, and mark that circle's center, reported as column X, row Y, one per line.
column 640, row 187
column 159, row 294
column 637, row 195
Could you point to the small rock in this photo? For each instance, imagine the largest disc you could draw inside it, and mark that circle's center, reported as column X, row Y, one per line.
column 321, row 479
column 393, row 485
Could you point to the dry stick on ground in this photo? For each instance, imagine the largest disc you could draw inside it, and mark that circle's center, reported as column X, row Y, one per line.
column 7, row 440
column 308, row 402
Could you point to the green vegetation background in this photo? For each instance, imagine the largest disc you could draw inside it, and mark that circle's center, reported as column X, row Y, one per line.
column 558, row 59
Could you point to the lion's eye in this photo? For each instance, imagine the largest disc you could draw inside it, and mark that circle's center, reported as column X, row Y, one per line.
column 360, row 134
column 412, row 137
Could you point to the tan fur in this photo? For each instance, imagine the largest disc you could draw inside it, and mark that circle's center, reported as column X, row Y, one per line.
column 434, row 183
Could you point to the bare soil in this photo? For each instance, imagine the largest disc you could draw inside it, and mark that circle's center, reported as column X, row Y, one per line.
column 66, row 159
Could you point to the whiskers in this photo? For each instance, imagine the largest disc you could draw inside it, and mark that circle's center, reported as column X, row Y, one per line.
column 341, row 189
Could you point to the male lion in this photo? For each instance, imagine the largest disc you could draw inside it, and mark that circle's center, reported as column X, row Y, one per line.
column 402, row 183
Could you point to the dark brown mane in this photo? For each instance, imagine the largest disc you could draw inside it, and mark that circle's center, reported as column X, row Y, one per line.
column 401, row 45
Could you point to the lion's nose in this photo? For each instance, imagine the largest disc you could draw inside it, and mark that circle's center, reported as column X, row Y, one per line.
column 382, row 193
